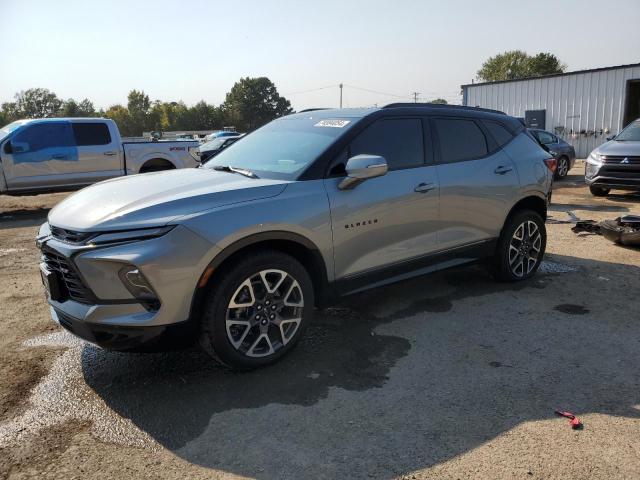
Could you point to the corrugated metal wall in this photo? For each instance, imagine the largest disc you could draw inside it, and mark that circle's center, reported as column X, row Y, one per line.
column 580, row 107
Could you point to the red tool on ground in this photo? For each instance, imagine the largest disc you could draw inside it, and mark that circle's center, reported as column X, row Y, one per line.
column 573, row 420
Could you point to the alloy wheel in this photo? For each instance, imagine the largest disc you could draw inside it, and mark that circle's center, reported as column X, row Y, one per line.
column 563, row 167
column 524, row 249
column 264, row 313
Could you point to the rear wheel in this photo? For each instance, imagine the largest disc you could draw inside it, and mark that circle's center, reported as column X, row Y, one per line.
column 257, row 311
column 520, row 248
column 563, row 167
column 597, row 191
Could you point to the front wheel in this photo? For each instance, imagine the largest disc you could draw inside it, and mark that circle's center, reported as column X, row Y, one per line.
column 520, row 248
column 597, row 191
column 258, row 310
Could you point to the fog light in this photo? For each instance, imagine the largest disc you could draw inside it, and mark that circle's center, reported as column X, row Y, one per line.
column 591, row 169
column 139, row 286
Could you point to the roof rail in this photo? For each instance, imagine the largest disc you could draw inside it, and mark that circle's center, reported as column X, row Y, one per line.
column 440, row 105
column 312, row 109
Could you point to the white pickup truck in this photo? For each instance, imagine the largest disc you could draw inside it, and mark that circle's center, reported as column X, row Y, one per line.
column 52, row 154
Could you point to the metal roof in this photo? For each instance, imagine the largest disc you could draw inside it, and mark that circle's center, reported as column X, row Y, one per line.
column 576, row 72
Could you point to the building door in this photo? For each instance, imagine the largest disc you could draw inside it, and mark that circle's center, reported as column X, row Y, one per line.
column 632, row 102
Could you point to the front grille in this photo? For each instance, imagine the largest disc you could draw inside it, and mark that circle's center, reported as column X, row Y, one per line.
column 618, row 159
column 622, row 171
column 72, row 285
column 69, row 236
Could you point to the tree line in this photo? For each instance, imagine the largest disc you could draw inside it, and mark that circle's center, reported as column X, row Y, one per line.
column 249, row 104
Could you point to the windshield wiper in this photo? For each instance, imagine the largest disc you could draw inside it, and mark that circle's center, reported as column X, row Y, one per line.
column 230, row 169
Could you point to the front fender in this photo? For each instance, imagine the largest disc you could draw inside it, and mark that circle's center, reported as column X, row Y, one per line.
column 3, row 181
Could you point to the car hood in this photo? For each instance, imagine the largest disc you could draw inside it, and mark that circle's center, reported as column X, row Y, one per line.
column 619, row 148
column 155, row 199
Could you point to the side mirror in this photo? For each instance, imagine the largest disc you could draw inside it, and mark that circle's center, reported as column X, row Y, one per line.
column 8, row 148
column 361, row 168
column 21, row 147
column 610, row 138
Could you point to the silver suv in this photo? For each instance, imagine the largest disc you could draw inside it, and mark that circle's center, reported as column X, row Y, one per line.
column 312, row 206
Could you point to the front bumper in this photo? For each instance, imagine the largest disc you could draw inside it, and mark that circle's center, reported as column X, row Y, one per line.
column 623, row 176
column 116, row 337
column 107, row 314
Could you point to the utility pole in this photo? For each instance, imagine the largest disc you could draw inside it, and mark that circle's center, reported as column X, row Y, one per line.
column 415, row 97
column 340, row 95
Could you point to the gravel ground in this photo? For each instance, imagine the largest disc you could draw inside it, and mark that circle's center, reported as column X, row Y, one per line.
column 447, row 376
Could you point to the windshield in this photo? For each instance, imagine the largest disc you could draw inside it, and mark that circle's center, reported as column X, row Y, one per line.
column 631, row 133
column 284, row 148
column 7, row 129
column 213, row 144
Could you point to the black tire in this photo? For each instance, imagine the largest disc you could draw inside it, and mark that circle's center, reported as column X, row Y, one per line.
column 214, row 334
column 597, row 191
column 157, row 165
column 503, row 267
column 563, row 167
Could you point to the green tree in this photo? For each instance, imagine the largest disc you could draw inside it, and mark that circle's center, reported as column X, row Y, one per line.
column 205, row 116
column 37, row 103
column 252, row 102
column 139, row 107
column 71, row 108
column 545, row 64
column 440, row 101
column 121, row 116
column 9, row 112
column 517, row 64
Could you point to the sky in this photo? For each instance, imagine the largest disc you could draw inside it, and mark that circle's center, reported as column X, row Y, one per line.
column 382, row 51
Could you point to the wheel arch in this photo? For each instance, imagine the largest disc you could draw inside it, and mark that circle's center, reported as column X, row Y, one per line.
column 157, row 160
column 534, row 202
column 298, row 246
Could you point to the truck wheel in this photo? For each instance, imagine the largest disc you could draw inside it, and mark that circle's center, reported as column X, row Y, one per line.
column 597, row 191
column 563, row 167
column 520, row 248
column 157, row 165
column 257, row 310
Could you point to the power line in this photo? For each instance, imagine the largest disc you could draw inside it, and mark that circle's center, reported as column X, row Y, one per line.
column 377, row 92
column 311, row 90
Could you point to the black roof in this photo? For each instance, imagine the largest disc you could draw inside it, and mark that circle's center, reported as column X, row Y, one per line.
column 575, row 72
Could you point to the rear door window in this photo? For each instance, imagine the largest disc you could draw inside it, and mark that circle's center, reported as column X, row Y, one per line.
column 460, row 139
column 546, row 138
column 91, row 134
column 398, row 140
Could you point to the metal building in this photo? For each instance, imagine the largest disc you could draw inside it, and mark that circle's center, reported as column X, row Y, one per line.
column 583, row 107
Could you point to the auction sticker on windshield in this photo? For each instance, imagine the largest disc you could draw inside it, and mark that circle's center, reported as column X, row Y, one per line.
column 332, row 123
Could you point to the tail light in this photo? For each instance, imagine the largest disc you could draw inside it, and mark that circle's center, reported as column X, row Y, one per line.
column 551, row 164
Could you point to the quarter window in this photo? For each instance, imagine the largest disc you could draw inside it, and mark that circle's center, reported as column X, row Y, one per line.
column 500, row 134
column 91, row 134
column 460, row 139
column 398, row 140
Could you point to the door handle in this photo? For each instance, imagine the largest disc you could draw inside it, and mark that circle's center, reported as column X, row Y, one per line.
column 59, row 156
column 501, row 170
column 110, row 154
column 424, row 188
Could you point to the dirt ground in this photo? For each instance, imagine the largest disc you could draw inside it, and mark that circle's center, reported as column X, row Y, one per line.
column 447, row 376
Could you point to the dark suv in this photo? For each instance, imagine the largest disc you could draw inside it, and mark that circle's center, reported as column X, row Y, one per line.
column 309, row 207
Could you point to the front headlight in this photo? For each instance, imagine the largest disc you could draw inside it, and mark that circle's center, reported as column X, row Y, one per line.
column 130, row 235
column 595, row 158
